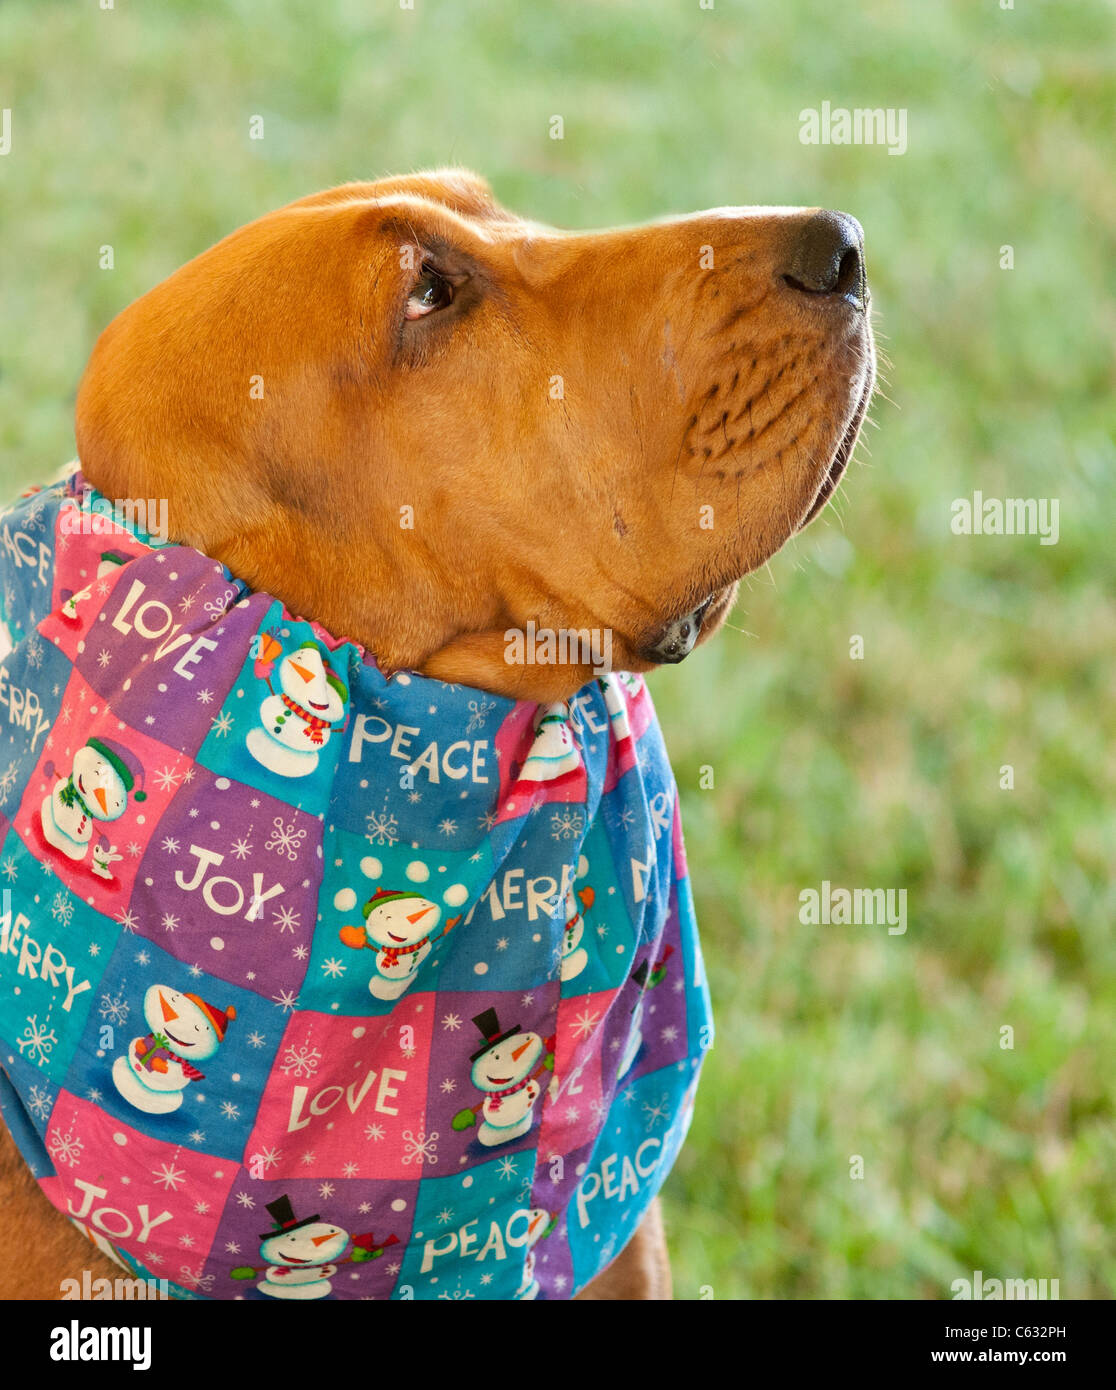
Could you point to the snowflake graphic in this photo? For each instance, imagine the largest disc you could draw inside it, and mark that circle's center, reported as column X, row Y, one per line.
column 170, row 844
column 300, row 1061
column 286, row 919
column 115, row 1007
column 8, row 781
column 350, row 1169
column 229, row 1110
column 584, row 1024
column 38, row 1039
column 448, row 827
column 245, row 1201
column 169, row 1176
column 565, row 824
column 11, row 872
column 326, row 1189
column 38, row 1102
column 421, row 1148
column 218, row 607
column 65, row 1147
column 34, row 649
column 221, row 723
column 167, row 779
column 657, row 1112
column 286, row 839
column 195, row 1279
column 256, row 1040
column 241, row 848
column 374, row 1132
column 445, row 1215
column 449, row 1085
column 452, row 1022
column 287, row 999
column 507, row 1168
column 334, row 968
column 382, row 829
column 170, row 921
column 62, row 909
column 479, row 710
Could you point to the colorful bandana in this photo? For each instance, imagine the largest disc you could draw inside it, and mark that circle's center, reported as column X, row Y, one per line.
column 315, row 983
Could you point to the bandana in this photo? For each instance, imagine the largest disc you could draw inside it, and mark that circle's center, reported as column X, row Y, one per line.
column 421, row 961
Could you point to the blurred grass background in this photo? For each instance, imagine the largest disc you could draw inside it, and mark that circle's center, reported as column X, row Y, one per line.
column 130, row 128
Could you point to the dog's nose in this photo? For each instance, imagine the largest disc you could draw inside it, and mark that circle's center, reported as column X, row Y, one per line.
column 678, row 637
column 828, row 258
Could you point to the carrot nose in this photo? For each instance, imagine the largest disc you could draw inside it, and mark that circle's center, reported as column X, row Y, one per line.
column 414, row 917
column 302, row 671
column 168, row 1012
column 321, row 1240
column 99, row 793
column 519, row 1051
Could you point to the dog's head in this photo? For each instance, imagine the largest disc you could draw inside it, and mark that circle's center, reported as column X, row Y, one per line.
column 426, row 422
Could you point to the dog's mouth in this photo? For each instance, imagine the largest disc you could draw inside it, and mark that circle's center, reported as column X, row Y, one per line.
column 842, row 455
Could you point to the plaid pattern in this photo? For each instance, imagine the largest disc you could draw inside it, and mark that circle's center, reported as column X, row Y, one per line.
column 204, row 1007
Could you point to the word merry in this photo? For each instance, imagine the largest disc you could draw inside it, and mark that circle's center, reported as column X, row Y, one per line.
column 566, row 646
column 837, row 125
column 980, row 1288
column 24, row 708
column 34, row 962
column 77, row 1343
column 543, row 894
column 97, row 516
column 370, row 728
column 859, row 907
column 1009, row 516
column 96, row 1290
column 324, row 1101
column 465, row 1241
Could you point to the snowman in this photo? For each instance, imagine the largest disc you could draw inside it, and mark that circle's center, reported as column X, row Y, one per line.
column 506, row 1069
column 615, row 704
column 398, row 927
column 109, row 563
column 297, row 720
column 647, row 978
column 103, row 774
column 574, row 956
column 159, row 1067
column 553, row 754
column 298, row 1254
column 539, row 1223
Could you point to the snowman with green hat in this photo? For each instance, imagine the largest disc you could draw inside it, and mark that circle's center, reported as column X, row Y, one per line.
column 297, row 719
column 103, row 776
column 398, row 927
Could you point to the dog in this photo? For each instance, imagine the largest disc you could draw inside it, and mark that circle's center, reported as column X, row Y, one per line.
column 431, row 425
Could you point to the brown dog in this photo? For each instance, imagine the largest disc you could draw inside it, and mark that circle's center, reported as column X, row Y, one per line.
column 598, row 431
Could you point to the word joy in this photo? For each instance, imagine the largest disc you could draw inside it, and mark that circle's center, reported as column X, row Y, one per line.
column 861, row 907
column 97, row 516
column 837, row 125
column 1005, row 516
column 564, row 646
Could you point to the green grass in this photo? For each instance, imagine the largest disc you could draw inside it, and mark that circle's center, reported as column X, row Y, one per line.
column 130, row 128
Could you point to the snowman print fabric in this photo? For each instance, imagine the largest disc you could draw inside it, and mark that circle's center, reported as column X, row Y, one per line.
column 316, row 984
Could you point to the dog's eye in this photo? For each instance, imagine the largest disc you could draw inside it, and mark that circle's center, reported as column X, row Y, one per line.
column 432, row 291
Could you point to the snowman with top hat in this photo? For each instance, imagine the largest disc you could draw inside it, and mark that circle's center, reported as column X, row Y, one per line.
column 185, row 1030
column 104, row 773
column 647, row 976
column 110, row 562
column 397, row 927
column 506, row 1069
column 297, row 719
column 299, row 1253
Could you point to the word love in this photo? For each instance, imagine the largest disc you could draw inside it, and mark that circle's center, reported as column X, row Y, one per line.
column 325, row 1099
column 152, row 620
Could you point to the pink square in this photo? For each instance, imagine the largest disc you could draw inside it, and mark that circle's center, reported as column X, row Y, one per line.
column 347, row 1097
column 160, row 1202
column 97, row 858
column 576, row 1099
